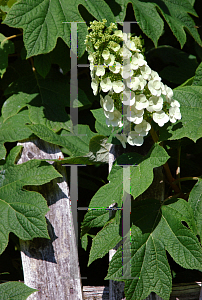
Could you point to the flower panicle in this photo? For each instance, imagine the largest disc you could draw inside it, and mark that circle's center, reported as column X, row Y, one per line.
column 135, row 93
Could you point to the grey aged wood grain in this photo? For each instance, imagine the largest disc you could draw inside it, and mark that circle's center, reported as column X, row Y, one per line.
column 181, row 291
column 156, row 190
column 51, row 266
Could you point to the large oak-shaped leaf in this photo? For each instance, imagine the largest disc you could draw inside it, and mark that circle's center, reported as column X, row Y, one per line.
column 176, row 14
column 22, row 212
column 141, row 177
column 142, row 263
column 42, row 22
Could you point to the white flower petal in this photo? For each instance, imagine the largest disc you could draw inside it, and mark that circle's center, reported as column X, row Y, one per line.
column 134, row 139
column 106, row 85
column 110, row 60
column 133, row 83
column 160, row 117
column 143, row 128
column 118, row 86
column 155, row 104
column 94, row 86
column 114, row 46
column 127, row 97
column 141, row 102
column 109, row 115
column 115, row 68
column 174, row 103
column 106, row 54
column 108, row 103
column 100, row 70
column 118, row 33
column 174, row 114
column 116, row 121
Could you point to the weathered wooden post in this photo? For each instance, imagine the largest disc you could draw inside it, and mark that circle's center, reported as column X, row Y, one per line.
column 52, row 266
column 156, row 190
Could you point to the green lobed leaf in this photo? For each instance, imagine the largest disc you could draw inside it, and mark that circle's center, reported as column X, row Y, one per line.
column 141, row 177
column 142, row 263
column 183, row 210
column 42, row 22
column 146, row 15
column 22, row 212
column 15, row 290
column 190, row 99
column 78, row 145
column 195, row 201
column 180, row 242
column 6, row 48
column 106, row 239
column 95, row 218
column 40, row 95
column 142, row 173
column 188, row 82
column 109, row 193
column 14, row 129
column 191, row 2
column 176, row 14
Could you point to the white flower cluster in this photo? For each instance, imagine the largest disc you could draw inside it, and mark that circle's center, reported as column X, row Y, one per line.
column 123, row 73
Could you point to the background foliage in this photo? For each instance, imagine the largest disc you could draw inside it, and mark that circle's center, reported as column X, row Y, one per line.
column 35, row 100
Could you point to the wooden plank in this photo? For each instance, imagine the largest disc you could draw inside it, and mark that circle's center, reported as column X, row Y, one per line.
column 96, row 292
column 181, row 291
column 51, row 266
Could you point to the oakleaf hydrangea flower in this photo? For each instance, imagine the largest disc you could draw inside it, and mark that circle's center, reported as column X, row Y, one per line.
column 143, row 128
column 141, row 102
column 127, row 97
column 108, row 103
column 100, row 70
column 116, row 121
column 160, row 117
column 115, row 68
column 134, row 92
column 106, row 85
column 118, row 86
column 135, row 139
column 134, row 115
column 155, row 104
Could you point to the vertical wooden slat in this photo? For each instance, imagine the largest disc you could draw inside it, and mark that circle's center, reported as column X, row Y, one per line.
column 52, row 265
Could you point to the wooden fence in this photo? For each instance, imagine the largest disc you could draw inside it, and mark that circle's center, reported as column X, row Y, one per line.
column 52, row 266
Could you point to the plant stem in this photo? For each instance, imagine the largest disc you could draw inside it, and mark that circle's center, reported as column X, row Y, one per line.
column 11, row 37
column 166, row 166
column 185, row 179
